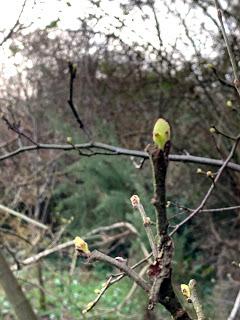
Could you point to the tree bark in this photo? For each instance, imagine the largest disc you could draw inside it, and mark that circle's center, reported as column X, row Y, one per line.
column 14, row 293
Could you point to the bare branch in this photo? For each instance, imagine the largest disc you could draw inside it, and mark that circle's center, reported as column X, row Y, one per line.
column 43, row 254
column 12, row 30
column 206, row 197
column 73, row 72
column 116, row 225
column 92, row 304
column 23, row 217
column 68, row 244
column 229, row 49
column 97, row 255
column 15, row 127
column 235, row 309
column 116, row 151
column 146, row 222
column 161, row 269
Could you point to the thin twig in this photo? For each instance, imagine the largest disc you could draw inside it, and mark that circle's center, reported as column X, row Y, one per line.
column 206, row 197
column 68, row 244
column 113, row 226
column 229, row 49
column 128, row 297
column 43, row 254
column 92, row 304
column 17, row 129
column 23, row 217
column 73, row 72
column 146, row 223
column 15, row 25
column 11, row 233
column 222, row 81
column 217, row 131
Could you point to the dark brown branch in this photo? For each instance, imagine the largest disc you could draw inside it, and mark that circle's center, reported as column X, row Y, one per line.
column 161, row 270
column 159, row 161
column 13, row 29
column 222, row 81
column 217, row 131
column 15, row 127
column 73, row 72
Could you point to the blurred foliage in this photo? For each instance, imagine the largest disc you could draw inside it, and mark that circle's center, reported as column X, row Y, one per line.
column 67, row 296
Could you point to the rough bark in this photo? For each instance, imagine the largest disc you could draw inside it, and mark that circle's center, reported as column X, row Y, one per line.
column 161, row 270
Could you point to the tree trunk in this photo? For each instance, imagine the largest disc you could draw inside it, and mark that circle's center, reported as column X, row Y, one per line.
column 14, row 293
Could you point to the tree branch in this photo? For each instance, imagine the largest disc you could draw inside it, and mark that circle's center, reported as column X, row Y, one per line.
column 229, row 49
column 73, row 72
column 206, row 197
column 14, row 26
column 23, row 217
column 14, row 293
column 116, row 151
column 195, row 300
column 97, row 255
column 235, row 309
column 161, row 270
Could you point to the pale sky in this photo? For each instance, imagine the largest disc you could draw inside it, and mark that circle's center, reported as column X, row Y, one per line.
column 39, row 13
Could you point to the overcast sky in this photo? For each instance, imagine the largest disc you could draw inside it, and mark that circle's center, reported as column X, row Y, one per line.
column 42, row 12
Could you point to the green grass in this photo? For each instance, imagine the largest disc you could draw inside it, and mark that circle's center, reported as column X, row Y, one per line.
column 67, row 296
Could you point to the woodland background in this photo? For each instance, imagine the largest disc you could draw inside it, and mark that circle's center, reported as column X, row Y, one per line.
column 121, row 88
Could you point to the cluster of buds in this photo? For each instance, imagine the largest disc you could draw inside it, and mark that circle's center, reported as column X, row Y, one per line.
column 168, row 204
column 209, row 173
column 135, row 200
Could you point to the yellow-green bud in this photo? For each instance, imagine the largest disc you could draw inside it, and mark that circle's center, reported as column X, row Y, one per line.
column 212, row 130
column 161, row 133
column 97, row 291
column 69, row 139
column 199, row 170
column 229, row 104
column 209, row 174
column 209, row 66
